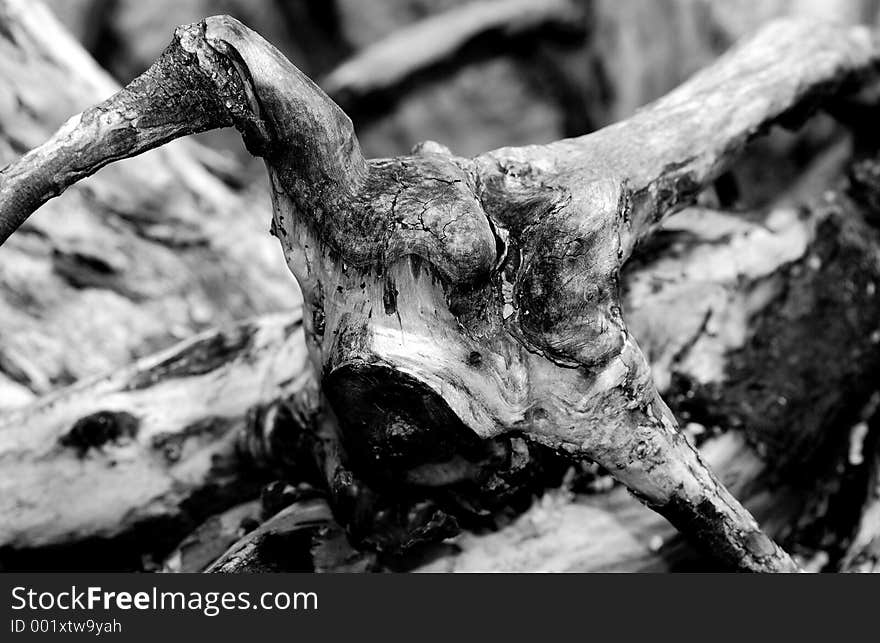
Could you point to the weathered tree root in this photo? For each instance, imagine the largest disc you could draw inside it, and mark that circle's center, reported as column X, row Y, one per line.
column 759, row 275
column 449, row 297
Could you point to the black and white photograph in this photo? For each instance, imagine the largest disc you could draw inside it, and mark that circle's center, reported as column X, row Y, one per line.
column 439, row 286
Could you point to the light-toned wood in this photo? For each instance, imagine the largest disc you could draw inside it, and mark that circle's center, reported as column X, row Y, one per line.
column 110, row 454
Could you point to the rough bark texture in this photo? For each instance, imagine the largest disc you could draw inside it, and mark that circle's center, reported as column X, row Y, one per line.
column 145, row 453
column 743, row 324
column 452, row 301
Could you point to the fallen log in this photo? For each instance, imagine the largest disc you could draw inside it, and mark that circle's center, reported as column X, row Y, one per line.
column 134, row 460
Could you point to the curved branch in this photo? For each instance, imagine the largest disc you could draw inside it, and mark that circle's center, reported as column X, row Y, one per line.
column 669, row 150
column 217, row 73
column 311, row 141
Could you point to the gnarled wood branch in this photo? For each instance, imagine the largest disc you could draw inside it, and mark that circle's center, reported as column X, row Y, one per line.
column 450, row 299
column 693, row 309
column 740, row 321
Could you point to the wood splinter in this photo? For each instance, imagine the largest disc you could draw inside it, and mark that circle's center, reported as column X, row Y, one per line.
column 452, row 300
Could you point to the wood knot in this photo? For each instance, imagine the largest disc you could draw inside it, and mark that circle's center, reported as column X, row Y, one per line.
column 759, row 544
column 98, row 429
